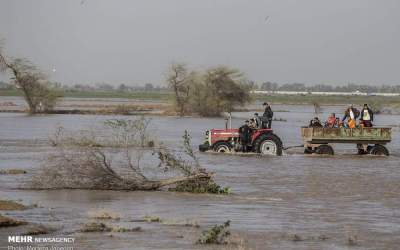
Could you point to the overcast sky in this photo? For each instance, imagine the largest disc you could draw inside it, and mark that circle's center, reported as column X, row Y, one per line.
column 133, row 42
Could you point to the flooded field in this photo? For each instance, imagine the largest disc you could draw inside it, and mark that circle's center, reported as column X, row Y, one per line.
column 323, row 200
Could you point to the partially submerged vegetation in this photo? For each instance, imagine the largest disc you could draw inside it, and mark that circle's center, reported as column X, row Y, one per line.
column 103, row 214
column 218, row 234
column 113, row 160
column 12, row 171
column 38, row 229
column 150, row 218
column 93, row 227
column 11, row 205
column 10, row 222
column 156, row 219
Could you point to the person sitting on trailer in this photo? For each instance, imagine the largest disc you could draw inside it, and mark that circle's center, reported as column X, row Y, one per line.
column 340, row 123
column 337, row 123
column 367, row 116
column 330, row 123
column 315, row 123
column 245, row 135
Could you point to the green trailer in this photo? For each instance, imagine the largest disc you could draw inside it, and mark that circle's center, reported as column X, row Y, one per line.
column 368, row 140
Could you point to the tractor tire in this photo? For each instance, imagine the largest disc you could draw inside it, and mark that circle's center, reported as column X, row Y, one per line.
column 379, row 150
column 222, row 147
column 268, row 144
column 324, row 149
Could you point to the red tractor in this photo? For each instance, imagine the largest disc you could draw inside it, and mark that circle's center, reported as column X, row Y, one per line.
column 263, row 141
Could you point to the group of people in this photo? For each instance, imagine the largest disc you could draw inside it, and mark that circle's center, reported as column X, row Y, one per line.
column 257, row 122
column 349, row 120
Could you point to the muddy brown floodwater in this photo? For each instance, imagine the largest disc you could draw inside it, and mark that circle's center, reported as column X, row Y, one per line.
column 323, row 200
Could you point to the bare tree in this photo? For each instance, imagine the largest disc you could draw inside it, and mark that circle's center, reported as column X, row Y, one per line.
column 178, row 81
column 33, row 83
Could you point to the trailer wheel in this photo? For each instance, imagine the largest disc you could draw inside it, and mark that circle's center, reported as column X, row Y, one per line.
column 222, row 147
column 379, row 150
column 308, row 150
column 268, row 144
column 324, row 149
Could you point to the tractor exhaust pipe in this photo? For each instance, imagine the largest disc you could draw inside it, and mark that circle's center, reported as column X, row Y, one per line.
column 228, row 121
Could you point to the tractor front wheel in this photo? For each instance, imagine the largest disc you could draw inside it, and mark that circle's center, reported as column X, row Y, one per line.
column 222, row 147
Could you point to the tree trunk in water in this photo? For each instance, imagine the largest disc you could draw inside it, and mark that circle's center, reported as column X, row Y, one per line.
column 154, row 185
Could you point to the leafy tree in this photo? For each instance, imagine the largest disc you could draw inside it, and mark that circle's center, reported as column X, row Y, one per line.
column 226, row 89
column 208, row 93
column 33, row 83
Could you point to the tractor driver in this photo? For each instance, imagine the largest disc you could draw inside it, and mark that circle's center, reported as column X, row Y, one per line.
column 253, row 123
column 245, row 135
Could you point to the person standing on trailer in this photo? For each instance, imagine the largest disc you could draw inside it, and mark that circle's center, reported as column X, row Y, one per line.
column 351, row 113
column 367, row 116
column 267, row 116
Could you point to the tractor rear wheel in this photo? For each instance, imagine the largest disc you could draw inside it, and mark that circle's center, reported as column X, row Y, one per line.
column 324, row 149
column 268, row 144
column 379, row 150
column 222, row 147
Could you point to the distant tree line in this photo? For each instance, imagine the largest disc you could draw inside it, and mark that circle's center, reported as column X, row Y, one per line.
column 107, row 87
column 104, row 87
column 351, row 87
